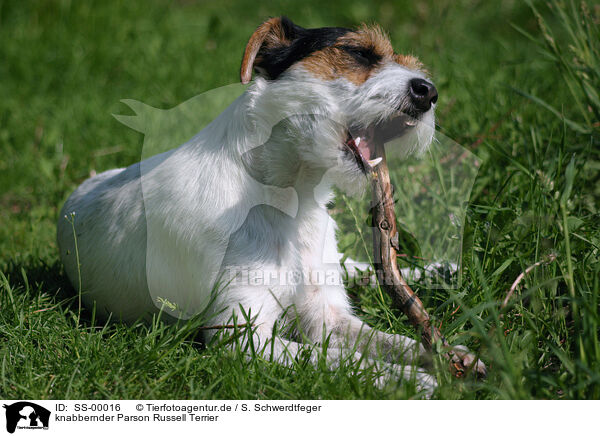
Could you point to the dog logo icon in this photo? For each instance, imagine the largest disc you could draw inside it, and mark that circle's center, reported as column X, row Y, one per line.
column 26, row 415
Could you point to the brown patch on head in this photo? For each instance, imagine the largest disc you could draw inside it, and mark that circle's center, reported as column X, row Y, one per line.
column 356, row 56
column 373, row 36
column 269, row 34
column 332, row 63
column 410, row 62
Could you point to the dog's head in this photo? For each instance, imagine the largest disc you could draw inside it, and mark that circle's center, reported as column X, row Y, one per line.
column 351, row 77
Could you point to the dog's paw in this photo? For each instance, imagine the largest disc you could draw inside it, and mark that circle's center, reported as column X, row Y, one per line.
column 470, row 361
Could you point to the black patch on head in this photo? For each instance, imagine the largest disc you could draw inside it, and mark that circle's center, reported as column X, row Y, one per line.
column 272, row 61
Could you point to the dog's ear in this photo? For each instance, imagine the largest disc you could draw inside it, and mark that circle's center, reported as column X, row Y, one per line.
column 273, row 34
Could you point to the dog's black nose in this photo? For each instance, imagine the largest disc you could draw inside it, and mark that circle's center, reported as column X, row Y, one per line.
column 422, row 94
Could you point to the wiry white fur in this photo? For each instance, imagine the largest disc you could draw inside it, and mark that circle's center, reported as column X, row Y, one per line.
column 151, row 229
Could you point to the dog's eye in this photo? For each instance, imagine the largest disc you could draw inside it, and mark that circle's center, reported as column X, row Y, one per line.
column 364, row 56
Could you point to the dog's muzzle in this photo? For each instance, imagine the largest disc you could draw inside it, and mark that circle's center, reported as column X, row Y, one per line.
column 422, row 95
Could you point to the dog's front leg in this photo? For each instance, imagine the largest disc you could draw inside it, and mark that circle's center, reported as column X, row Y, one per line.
column 285, row 352
column 325, row 315
column 390, row 347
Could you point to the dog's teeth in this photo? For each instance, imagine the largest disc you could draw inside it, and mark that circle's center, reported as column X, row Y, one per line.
column 411, row 122
column 357, row 141
column 374, row 162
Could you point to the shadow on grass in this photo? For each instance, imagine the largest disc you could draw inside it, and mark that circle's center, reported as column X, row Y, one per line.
column 36, row 278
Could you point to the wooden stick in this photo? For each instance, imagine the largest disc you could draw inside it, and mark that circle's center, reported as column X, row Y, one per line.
column 385, row 245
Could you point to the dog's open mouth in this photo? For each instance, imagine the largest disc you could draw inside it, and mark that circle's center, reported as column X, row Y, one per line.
column 361, row 142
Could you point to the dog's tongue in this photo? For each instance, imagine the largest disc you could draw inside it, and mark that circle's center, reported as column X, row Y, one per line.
column 363, row 143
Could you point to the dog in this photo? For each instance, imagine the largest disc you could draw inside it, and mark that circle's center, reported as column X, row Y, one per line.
column 249, row 192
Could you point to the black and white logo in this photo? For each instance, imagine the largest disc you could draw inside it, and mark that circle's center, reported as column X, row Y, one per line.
column 26, row 415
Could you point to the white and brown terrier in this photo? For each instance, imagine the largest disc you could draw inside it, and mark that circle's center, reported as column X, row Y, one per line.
column 151, row 229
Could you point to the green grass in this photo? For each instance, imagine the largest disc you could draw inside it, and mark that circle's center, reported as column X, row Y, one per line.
column 518, row 87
